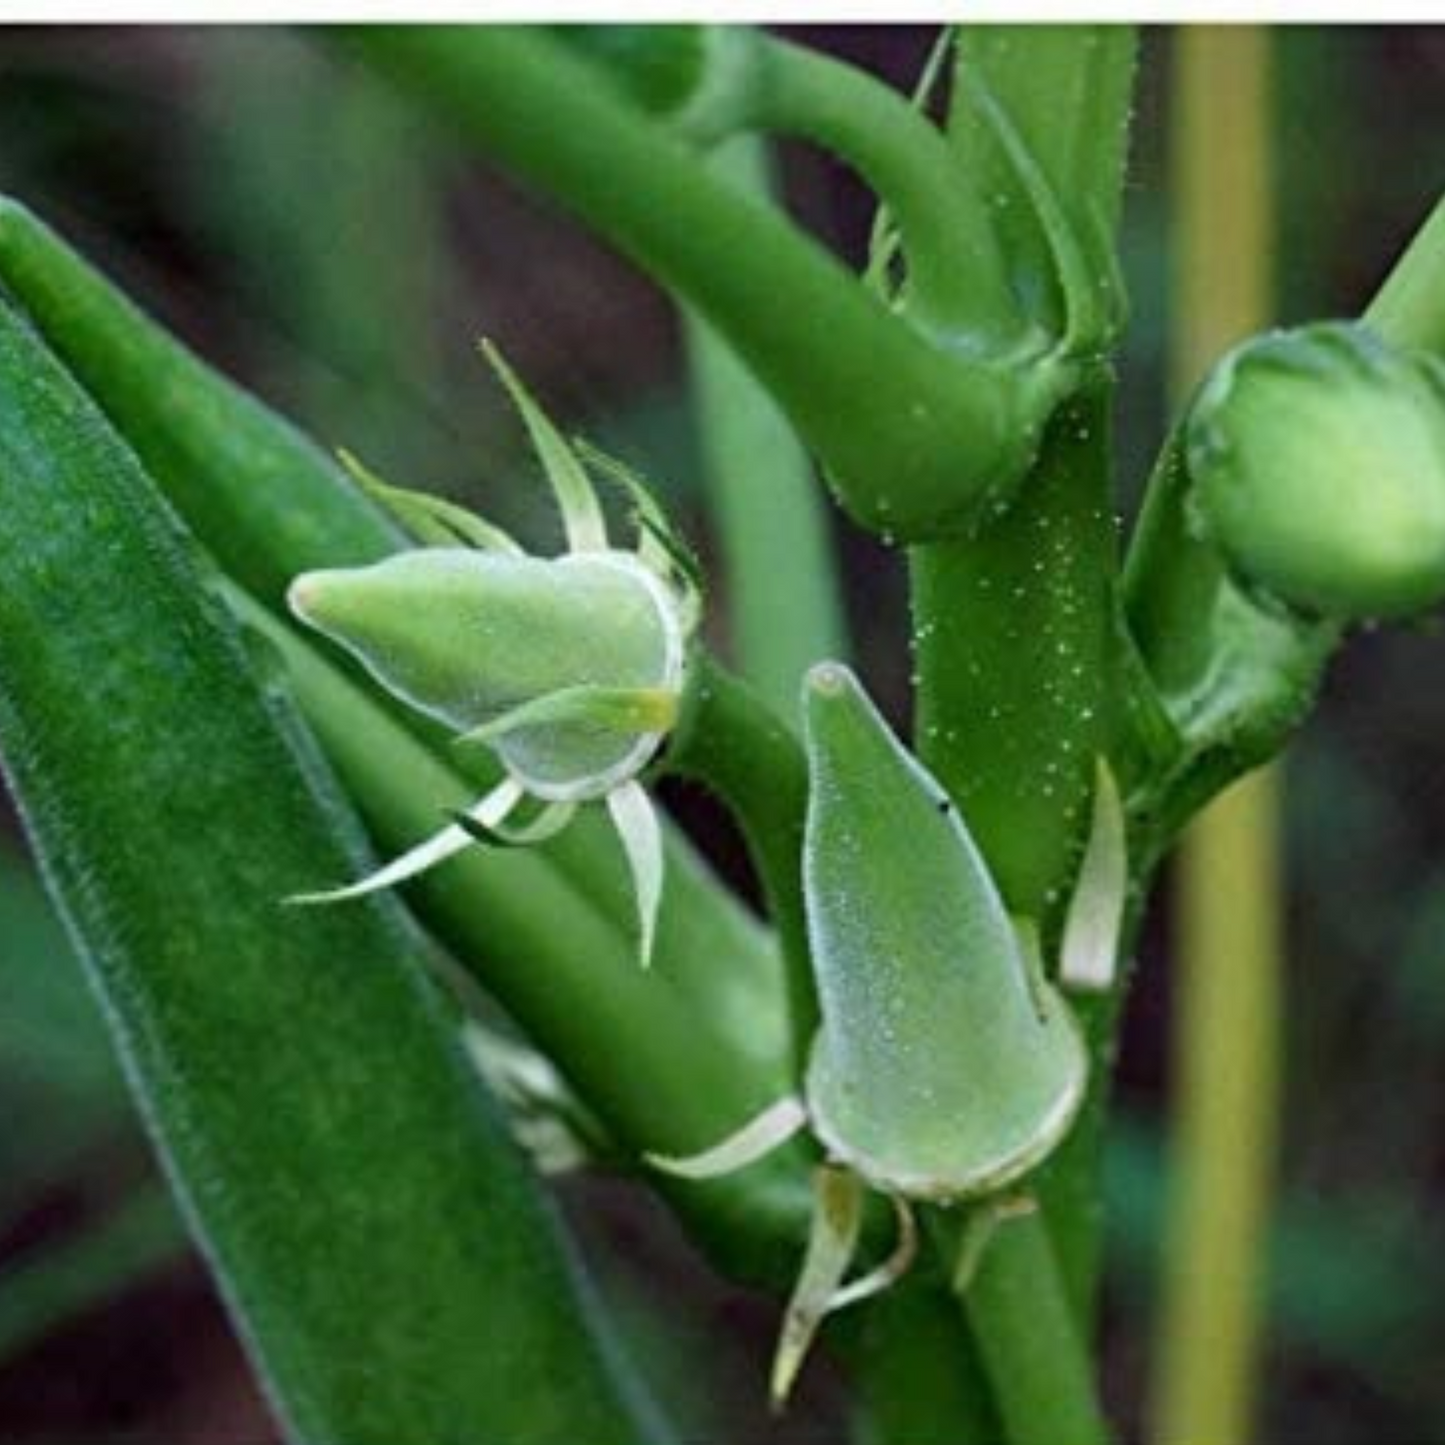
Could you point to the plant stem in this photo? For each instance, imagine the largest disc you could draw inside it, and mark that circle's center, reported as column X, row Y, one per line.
column 1227, row 1022
column 1229, row 965
column 781, row 585
column 729, row 740
column 915, row 1368
column 956, row 274
column 1030, row 1342
column 1021, row 617
column 1409, row 310
column 941, row 432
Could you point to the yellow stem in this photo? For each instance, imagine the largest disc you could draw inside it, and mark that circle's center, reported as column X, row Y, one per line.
column 1229, row 956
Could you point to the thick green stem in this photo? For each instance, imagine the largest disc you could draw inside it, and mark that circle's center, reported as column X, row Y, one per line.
column 1012, row 635
column 732, row 742
column 957, row 282
column 1030, row 1341
column 941, row 435
column 915, row 1369
column 1409, row 310
column 780, row 587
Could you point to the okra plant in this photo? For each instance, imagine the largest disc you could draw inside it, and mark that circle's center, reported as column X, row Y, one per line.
column 886, row 1101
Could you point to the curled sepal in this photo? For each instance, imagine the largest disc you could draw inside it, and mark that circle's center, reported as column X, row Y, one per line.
column 1317, row 458
column 1088, row 956
column 755, row 1140
column 659, row 543
column 433, row 521
column 488, row 815
column 981, row 1223
column 624, row 710
column 887, row 1273
column 550, row 821
column 636, row 822
column 581, row 514
column 945, row 1066
column 832, row 1242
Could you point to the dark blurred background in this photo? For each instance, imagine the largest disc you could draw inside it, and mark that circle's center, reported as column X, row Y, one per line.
column 320, row 242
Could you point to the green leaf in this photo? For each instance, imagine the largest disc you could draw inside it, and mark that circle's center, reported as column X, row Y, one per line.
column 393, row 1268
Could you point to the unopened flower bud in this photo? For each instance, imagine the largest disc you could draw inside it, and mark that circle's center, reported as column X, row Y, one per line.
column 946, row 1066
column 569, row 668
column 470, row 637
column 1318, row 462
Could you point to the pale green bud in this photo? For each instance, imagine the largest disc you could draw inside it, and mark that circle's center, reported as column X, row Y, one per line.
column 1318, row 461
column 945, row 1066
column 570, row 668
column 470, row 637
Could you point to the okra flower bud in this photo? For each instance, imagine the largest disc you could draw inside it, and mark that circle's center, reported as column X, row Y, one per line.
column 946, row 1065
column 1318, row 462
column 570, row 668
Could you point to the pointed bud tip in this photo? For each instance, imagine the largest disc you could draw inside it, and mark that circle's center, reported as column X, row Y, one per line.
column 314, row 596
column 301, row 595
column 829, row 680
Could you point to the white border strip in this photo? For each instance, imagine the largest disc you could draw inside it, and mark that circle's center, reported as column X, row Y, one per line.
column 328, row 12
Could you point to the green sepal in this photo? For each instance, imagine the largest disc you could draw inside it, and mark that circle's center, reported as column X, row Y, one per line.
column 943, row 1067
column 1093, row 925
column 581, row 515
column 433, row 521
column 627, row 710
column 981, row 1222
column 553, row 818
column 832, row 1241
column 652, row 521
